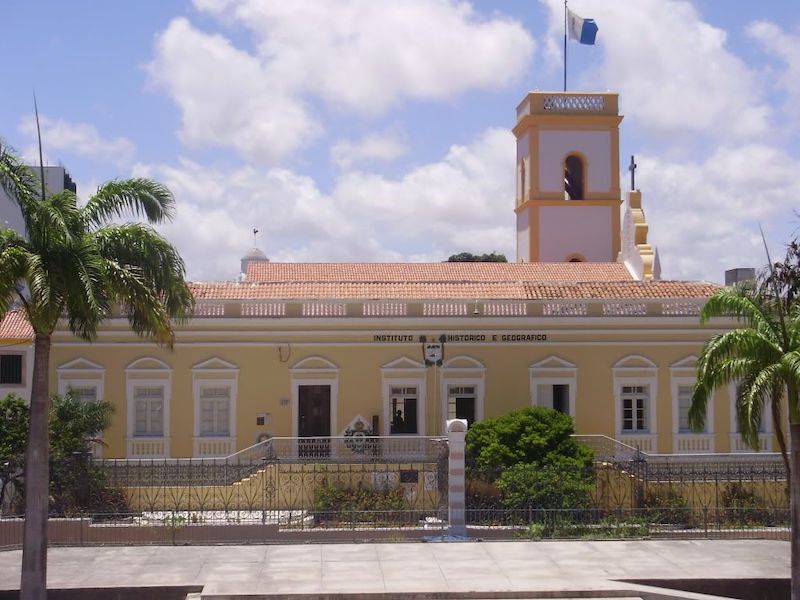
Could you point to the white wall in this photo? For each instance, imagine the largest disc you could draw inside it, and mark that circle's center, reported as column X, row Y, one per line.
column 575, row 229
column 23, row 391
column 523, row 236
column 554, row 146
column 10, row 215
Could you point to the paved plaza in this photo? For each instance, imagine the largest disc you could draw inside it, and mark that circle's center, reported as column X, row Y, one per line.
column 406, row 568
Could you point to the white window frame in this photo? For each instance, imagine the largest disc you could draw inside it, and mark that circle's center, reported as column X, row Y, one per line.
column 81, row 373
column 199, row 384
column 23, row 375
column 390, row 416
column 404, row 372
column 220, row 374
column 627, row 373
column 314, row 370
column 154, row 377
column 542, row 373
column 470, row 373
column 463, row 383
column 645, row 395
column 676, row 408
column 148, row 433
column 81, row 383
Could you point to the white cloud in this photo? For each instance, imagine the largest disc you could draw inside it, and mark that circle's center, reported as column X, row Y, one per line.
column 384, row 147
column 357, row 55
column 674, row 71
column 463, row 202
column 704, row 217
column 81, row 139
column 785, row 47
column 226, row 96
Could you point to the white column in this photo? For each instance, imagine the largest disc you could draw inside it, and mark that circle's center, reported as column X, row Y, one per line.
column 456, row 482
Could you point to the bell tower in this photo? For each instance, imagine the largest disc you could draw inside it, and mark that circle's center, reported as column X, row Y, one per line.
column 568, row 190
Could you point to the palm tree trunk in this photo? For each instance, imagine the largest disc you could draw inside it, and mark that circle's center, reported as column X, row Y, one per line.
column 794, row 503
column 33, row 585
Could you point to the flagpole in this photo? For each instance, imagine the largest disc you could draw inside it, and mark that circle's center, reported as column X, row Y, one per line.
column 565, row 45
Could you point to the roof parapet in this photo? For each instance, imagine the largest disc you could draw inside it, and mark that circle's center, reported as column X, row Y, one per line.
column 569, row 103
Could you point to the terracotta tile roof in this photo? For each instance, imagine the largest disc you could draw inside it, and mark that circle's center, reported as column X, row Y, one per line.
column 15, row 326
column 526, row 290
column 263, row 271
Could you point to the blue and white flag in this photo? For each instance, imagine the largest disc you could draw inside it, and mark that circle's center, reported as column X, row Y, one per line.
column 582, row 30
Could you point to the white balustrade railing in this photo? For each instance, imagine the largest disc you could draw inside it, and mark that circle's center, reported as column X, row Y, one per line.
column 505, row 309
column 444, row 309
column 646, row 442
column 574, row 102
column 693, row 443
column 148, row 447
column 453, row 308
column 213, row 446
column 385, row 309
column 738, row 445
column 263, row 309
column 565, row 309
column 324, row 309
column 209, row 309
column 624, row 309
column 680, row 308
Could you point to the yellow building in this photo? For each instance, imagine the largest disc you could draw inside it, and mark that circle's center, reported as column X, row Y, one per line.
column 581, row 323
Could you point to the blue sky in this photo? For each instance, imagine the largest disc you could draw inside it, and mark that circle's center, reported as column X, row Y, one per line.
column 376, row 131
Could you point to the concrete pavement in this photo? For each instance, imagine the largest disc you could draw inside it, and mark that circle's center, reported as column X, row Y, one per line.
column 411, row 569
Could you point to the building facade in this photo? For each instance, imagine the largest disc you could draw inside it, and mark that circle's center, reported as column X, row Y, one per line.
column 16, row 355
column 581, row 323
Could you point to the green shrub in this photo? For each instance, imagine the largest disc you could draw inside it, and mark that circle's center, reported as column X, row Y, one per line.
column 744, row 508
column 531, row 435
column 528, row 459
column 563, row 483
column 337, row 499
column 667, row 506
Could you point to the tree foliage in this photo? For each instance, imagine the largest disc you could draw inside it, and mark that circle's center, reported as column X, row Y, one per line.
column 470, row 257
column 762, row 358
column 531, row 458
column 13, row 433
column 75, row 264
column 73, row 425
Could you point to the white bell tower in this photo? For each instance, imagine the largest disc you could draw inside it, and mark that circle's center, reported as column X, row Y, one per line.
column 568, row 190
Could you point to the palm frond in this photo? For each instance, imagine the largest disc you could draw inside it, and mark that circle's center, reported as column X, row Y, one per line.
column 157, row 263
column 139, row 196
column 18, row 181
column 741, row 301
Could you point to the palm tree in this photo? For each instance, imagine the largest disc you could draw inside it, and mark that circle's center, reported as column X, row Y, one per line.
column 73, row 266
column 763, row 359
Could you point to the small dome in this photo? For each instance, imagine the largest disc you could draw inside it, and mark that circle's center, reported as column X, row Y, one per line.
column 255, row 254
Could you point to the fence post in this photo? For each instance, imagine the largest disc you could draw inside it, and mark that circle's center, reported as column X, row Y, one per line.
column 456, row 481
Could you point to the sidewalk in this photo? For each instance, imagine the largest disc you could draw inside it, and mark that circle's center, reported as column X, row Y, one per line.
column 406, row 567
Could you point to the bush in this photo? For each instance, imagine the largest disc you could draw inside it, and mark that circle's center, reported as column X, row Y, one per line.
column 667, row 507
column 561, row 484
column 744, row 508
column 528, row 459
column 333, row 498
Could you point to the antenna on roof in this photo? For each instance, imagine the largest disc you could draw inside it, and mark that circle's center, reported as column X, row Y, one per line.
column 255, row 234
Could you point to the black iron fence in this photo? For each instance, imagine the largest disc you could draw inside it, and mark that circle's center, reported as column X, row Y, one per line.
column 387, row 488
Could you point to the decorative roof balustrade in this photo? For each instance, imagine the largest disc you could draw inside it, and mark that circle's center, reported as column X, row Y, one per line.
column 488, row 308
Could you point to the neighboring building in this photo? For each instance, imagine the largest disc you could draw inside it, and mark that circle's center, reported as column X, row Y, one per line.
column 739, row 275
column 581, row 324
column 16, row 355
column 56, row 179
